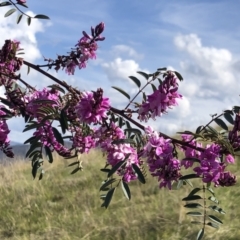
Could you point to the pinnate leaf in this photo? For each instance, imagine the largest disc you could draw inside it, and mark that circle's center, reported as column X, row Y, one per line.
column 121, row 91
column 9, row 12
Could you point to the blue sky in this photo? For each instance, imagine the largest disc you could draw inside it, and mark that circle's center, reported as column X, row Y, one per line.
column 200, row 39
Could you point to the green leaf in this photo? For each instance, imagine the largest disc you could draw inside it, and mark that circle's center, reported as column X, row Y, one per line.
column 217, row 209
column 189, row 176
column 221, row 123
column 35, row 154
column 29, row 19
column 193, row 205
column 229, row 117
column 54, row 86
column 214, row 225
column 57, row 135
column 192, row 198
column 49, row 154
column 194, row 214
column 120, row 122
column 138, row 173
column 74, row 163
column 29, row 140
column 123, row 92
column 107, row 170
column 63, row 121
column 41, row 16
column 103, row 196
column 108, row 198
column 215, row 219
column 180, row 183
column 212, row 130
column 44, row 101
column 153, row 87
column 144, row 96
column 162, row 69
column 32, row 148
column 213, row 199
column 195, row 190
column 4, row 4
column 19, row 18
column 188, row 182
column 116, row 167
column 192, row 159
column 75, row 170
column 179, row 76
column 200, row 234
column 134, row 130
column 199, row 129
column 34, row 169
column 196, row 222
column 186, row 132
column 107, row 183
column 41, row 175
column 211, row 191
column 143, row 74
column 122, row 141
column 126, row 190
column 135, row 80
column 31, row 126
column 28, row 70
column 9, row 12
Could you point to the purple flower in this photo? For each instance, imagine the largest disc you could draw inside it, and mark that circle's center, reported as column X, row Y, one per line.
column 226, row 179
column 34, row 104
column 119, row 152
column 189, row 152
column 160, row 100
column 92, row 107
column 229, row 158
column 9, row 63
column 48, row 139
column 160, row 159
column 4, row 131
column 81, row 142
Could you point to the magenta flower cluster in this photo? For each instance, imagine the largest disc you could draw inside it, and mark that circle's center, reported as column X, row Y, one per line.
column 161, row 162
column 161, row 99
column 117, row 152
column 86, row 49
column 190, row 152
column 4, row 131
column 36, row 100
column 233, row 136
column 92, row 107
column 212, row 168
column 47, row 138
column 82, row 143
column 9, row 63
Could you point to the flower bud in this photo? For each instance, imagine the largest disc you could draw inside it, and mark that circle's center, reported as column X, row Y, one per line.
column 86, row 35
column 99, row 28
column 100, row 39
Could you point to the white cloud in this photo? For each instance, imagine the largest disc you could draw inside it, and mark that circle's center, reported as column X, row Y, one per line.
column 27, row 37
column 211, row 68
column 183, row 108
column 21, row 32
column 120, row 69
column 120, row 50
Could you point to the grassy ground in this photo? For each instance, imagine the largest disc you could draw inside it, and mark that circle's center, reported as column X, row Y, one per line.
column 67, row 207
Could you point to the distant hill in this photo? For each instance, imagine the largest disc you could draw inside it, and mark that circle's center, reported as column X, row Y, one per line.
column 20, row 151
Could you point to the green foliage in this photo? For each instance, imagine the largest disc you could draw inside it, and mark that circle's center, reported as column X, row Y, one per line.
column 122, row 92
column 64, row 206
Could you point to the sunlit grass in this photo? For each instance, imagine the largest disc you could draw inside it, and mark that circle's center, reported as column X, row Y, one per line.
column 65, row 206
